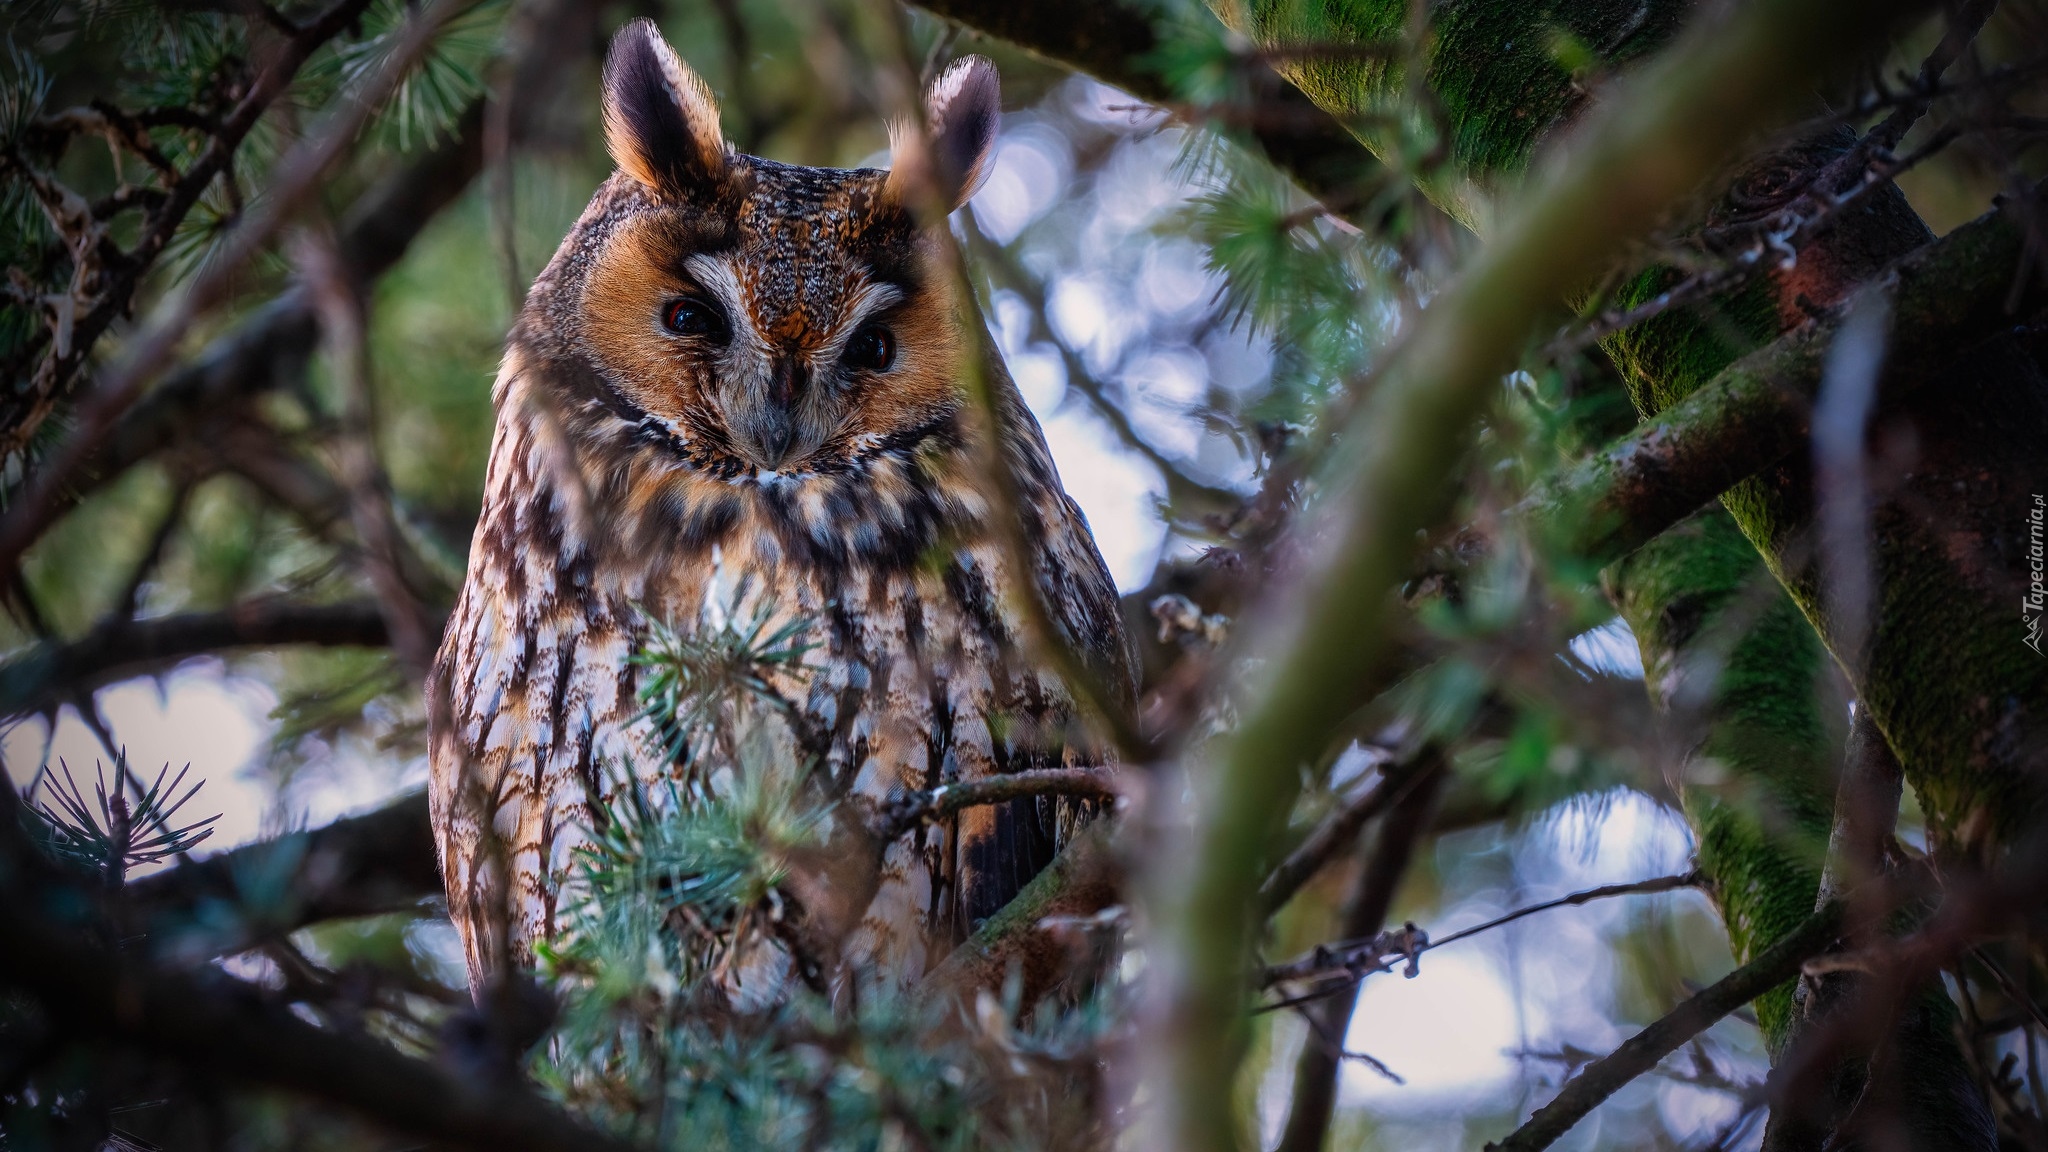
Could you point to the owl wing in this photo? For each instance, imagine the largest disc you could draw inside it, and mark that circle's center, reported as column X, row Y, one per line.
column 1002, row 847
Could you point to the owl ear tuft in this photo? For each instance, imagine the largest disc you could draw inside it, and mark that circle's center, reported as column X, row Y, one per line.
column 962, row 110
column 660, row 119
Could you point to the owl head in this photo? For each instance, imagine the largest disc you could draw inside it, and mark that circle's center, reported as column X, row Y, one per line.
column 768, row 319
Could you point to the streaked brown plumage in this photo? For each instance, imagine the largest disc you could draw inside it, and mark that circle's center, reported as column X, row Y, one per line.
column 740, row 367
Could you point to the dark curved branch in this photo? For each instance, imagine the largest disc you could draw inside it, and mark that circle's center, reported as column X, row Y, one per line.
column 1641, row 1052
column 1340, row 831
column 1111, row 39
column 380, row 861
column 52, row 669
column 908, row 811
column 1365, row 914
column 234, row 1030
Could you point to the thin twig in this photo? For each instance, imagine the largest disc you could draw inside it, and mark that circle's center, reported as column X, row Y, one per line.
column 903, row 813
column 344, row 320
column 1641, row 1052
column 1340, row 830
column 1349, row 957
column 299, row 175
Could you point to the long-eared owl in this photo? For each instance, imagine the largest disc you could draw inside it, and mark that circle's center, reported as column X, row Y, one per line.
column 746, row 373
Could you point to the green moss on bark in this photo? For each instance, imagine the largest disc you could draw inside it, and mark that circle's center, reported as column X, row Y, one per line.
column 1758, row 787
column 1960, row 700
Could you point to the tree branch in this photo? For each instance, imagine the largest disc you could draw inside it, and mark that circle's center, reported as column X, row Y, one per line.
column 1362, row 953
column 1322, row 1052
column 1641, row 1052
column 380, row 861
column 234, row 1030
column 1661, row 132
column 1340, row 831
column 1109, row 40
column 51, row 669
column 905, row 812
column 1006, row 271
column 53, row 376
column 273, row 345
column 298, row 176
column 1949, row 294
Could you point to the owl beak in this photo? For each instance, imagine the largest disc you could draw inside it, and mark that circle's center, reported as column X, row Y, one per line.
column 774, row 433
column 776, row 426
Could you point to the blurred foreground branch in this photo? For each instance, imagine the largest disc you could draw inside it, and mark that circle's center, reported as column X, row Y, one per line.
column 1659, row 136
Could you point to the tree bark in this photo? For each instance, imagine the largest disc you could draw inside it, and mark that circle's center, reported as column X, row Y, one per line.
column 1757, row 776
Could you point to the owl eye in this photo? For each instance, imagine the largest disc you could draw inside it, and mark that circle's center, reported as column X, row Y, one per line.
column 691, row 316
column 872, row 349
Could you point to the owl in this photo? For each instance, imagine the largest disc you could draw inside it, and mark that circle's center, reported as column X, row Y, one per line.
column 741, row 374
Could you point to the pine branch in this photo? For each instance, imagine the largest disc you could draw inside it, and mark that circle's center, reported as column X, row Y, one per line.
column 1641, row 1052
column 233, row 1030
column 299, row 176
column 54, row 375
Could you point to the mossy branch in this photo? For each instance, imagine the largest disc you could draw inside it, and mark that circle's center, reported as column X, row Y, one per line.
column 1948, row 295
column 1083, row 880
column 1661, row 136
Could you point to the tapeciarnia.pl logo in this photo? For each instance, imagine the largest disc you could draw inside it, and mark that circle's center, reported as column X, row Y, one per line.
column 2036, row 603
